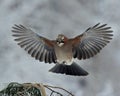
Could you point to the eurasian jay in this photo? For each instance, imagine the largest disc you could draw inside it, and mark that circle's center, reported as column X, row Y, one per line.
column 64, row 50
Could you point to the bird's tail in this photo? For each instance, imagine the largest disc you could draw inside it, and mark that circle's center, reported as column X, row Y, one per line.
column 72, row 69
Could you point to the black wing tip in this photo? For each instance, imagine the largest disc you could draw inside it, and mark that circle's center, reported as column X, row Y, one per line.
column 13, row 30
column 15, row 25
column 99, row 26
column 18, row 26
column 13, row 35
column 98, row 23
column 103, row 25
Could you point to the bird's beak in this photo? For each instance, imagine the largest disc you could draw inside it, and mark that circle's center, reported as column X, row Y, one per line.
column 59, row 41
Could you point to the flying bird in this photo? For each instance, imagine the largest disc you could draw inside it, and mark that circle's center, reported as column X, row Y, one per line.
column 63, row 51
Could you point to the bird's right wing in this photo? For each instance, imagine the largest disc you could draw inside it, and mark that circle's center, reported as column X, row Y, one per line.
column 37, row 46
column 91, row 41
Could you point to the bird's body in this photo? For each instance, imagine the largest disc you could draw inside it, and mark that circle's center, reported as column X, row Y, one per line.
column 64, row 53
column 63, row 50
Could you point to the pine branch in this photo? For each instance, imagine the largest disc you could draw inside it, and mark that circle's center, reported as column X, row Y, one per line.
column 30, row 89
column 54, row 87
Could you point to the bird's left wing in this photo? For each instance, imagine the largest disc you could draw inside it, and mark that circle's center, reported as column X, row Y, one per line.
column 37, row 46
column 91, row 41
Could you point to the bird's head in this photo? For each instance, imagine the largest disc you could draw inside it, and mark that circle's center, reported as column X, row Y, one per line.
column 61, row 39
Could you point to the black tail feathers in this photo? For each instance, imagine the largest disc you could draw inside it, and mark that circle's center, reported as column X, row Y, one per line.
column 73, row 69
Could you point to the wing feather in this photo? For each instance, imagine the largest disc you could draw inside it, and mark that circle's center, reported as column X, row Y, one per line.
column 91, row 41
column 37, row 46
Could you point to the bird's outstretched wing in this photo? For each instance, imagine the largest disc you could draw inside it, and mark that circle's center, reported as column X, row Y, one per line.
column 37, row 46
column 91, row 41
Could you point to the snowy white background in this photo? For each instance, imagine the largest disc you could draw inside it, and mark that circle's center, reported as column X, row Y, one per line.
column 70, row 17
